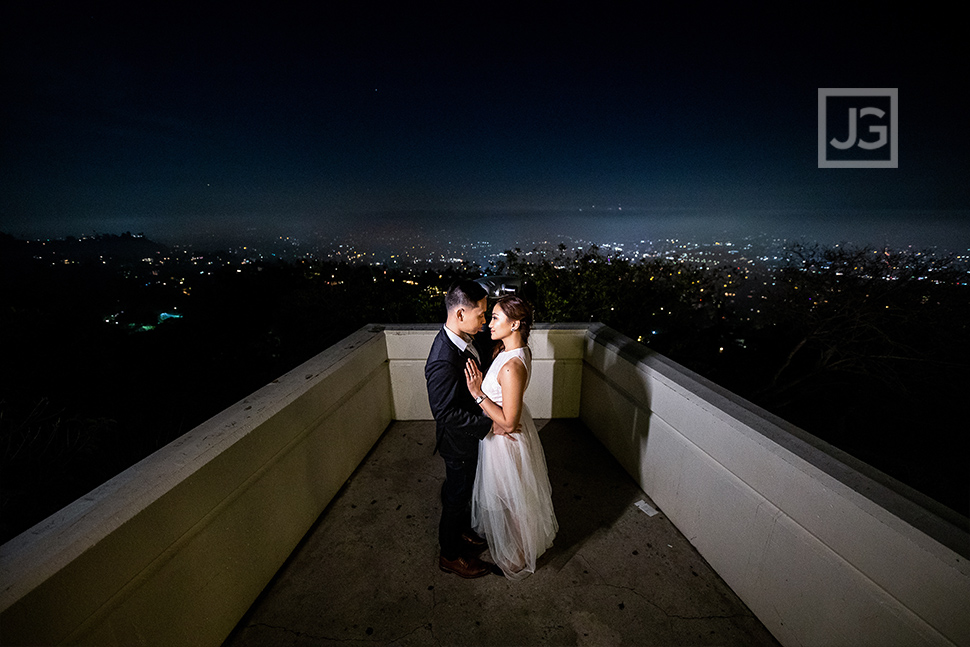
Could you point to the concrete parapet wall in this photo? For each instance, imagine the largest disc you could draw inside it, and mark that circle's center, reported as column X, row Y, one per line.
column 174, row 550
column 821, row 552
column 554, row 389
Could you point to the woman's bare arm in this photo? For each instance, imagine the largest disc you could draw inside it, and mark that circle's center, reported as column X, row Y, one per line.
column 512, row 378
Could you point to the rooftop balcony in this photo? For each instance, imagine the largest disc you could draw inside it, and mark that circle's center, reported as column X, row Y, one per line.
column 820, row 548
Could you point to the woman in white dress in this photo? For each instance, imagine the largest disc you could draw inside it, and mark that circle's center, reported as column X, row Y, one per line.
column 512, row 498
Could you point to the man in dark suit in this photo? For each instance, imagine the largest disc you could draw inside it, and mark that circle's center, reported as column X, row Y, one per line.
column 460, row 422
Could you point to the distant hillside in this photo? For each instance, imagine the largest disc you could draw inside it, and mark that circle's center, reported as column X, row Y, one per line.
column 124, row 247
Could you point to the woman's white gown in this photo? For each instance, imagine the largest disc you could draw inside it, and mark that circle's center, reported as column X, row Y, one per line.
column 512, row 500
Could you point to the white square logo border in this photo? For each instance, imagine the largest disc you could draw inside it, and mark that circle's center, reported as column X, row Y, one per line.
column 892, row 93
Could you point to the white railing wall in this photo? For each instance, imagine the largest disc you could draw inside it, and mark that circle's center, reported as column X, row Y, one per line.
column 791, row 525
column 176, row 549
column 554, row 388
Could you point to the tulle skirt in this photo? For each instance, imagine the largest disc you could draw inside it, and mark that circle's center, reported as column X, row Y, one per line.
column 512, row 500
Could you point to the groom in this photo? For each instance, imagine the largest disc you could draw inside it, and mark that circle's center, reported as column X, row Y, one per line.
column 460, row 422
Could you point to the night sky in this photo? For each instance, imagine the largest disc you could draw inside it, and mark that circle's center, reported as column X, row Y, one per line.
column 173, row 122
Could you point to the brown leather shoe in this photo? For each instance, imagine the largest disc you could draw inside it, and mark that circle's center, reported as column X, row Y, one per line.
column 467, row 567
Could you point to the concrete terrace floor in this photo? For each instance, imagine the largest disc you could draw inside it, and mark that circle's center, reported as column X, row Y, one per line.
column 367, row 572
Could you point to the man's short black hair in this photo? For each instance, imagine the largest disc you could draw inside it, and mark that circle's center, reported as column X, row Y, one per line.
column 464, row 294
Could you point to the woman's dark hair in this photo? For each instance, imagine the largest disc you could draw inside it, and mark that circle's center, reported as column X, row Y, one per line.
column 517, row 309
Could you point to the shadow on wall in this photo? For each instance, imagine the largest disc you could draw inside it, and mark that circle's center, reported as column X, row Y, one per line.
column 616, row 404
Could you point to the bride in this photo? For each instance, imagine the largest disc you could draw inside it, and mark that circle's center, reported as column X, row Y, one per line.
column 512, row 498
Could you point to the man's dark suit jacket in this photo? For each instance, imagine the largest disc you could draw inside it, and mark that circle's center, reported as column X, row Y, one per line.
column 460, row 423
